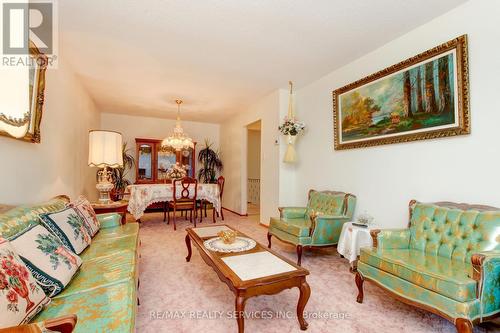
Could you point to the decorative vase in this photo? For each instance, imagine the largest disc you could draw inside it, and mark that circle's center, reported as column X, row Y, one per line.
column 20, row 286
column 290, row 154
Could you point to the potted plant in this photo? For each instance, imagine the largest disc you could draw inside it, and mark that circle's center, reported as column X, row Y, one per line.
column 211, row 163
column 119, row 174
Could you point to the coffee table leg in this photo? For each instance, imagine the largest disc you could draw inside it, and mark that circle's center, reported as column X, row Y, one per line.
column 188, row 245
column 240, row 309
column 305, row 292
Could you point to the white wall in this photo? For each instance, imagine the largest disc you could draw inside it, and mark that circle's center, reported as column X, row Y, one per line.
column 133, row 127
column 234, row 155
column 385, row 178
column 58, row 165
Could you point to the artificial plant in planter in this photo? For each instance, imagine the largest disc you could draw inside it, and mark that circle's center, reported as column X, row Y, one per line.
column 211, row 164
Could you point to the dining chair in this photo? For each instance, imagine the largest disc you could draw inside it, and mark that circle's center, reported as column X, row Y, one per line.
column 203, row 203
column 220, row 181
column 184, row 199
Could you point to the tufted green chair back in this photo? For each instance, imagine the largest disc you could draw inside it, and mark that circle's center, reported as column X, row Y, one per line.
column 19, row 218
column 330, row 203
column 454, row 231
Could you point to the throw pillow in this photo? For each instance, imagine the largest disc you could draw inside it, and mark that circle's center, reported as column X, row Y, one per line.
column 69, row 227
column 50, row 262
column 83, row 206
column 20, row 296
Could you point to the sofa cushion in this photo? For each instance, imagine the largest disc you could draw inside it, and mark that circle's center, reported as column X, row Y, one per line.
column 103, row 271
column 105, row 247
column 452, row 308
column 20, row 296
column 68, row 226
column 83, row 206
column 50, row 262
column 106, row 309
column 452, row 232
column 129, row 229
column 17, row 219
column 441, row 275
column 299, row 227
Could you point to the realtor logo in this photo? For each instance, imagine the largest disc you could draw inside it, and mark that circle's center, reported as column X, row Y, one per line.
column 24, row 22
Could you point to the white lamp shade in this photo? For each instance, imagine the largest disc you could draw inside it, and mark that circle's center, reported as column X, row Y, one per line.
column 105, row 149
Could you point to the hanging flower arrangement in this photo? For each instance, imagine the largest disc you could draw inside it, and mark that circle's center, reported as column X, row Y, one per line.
column 291, row 127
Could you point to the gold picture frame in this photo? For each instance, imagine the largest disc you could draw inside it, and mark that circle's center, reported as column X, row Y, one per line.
column 395, row 104
column 28, row 127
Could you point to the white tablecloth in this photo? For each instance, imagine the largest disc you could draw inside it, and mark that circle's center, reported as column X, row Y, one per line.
column 143, row 195
column 352, row 238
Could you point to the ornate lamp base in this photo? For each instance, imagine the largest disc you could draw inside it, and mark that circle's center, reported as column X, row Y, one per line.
column 104, row 186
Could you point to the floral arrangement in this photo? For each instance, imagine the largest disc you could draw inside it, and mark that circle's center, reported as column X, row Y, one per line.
column 177, row 171
column 291, row 126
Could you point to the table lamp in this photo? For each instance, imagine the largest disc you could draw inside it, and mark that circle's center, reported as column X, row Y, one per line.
column 105, row 151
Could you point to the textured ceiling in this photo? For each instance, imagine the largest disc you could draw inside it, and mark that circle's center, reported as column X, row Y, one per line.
column 137, row 57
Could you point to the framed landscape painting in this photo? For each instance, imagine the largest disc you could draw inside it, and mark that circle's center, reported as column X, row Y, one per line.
column 423, row 97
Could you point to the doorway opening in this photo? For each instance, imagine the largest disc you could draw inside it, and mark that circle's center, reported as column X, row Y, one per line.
column 253, row 169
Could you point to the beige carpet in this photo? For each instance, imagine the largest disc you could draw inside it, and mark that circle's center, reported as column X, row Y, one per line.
column 177, row 296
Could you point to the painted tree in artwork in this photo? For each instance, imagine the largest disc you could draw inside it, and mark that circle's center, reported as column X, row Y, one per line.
column 445, row 98
column 77, row 226
column 360, row 112
column 52, row 247
column 418, row 91
column 407, row 102
column 430, row 95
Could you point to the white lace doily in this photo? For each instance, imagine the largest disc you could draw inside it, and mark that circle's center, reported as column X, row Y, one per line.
column 240, row 244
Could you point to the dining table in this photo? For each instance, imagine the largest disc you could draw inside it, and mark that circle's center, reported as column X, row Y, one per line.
column 143, row 195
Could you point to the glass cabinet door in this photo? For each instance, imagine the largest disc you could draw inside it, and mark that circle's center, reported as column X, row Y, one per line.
column 165, row 160
column 187, row 159
column 145, row 162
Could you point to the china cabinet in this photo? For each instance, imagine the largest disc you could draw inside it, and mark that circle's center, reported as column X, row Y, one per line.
column 153, row 161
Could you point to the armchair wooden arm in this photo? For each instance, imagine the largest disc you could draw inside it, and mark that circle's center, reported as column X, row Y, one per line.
column 65, row 324
column 374, row 233
column 477, row 274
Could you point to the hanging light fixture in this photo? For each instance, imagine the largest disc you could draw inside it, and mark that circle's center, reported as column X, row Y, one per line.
column 178, row 140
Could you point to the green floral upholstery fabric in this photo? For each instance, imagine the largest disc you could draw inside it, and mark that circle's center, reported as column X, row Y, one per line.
column 299, row 227
column 431, row 261
column 393, row 239
column 454, row 233
column 103, row 294
column 106, row 309
column 109, row 245
column 103, row 271
column 454, row 309
column 325, row 203
column 20, row 218
column 442, row 275
column 329, row 210
column 490, row 283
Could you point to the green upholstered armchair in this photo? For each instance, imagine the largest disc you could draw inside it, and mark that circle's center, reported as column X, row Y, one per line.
column 446, row 262
column 317, row 225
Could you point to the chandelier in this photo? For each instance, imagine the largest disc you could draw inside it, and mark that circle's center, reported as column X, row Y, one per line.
column 178, row 140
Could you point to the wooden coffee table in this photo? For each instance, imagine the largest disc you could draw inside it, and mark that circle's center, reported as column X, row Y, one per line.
column 247, row 273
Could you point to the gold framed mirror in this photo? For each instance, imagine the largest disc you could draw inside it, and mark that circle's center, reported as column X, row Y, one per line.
column 21, row 114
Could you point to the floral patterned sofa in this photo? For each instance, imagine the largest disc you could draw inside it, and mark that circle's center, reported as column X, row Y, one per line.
column 446, row 262
column 103, row 294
